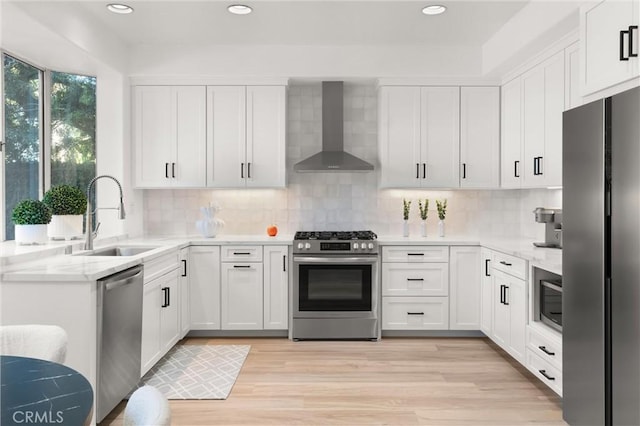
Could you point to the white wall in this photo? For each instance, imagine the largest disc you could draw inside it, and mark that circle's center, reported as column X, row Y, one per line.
column 343, row 201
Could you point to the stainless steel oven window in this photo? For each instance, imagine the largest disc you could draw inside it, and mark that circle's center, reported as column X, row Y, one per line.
column 551, row 304
column 335, row 288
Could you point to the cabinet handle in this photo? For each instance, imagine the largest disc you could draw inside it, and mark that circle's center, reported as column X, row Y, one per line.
column 415, row 254
column 631, row 52
column 486, row 267
column 417, row 170
column 415, row 313
column 546, row 351
column 242, row 266
column 622, row 34
column 184, row 268
column 502, row 262
column 506, row 287
column 166, row 170
column 241, row 170
column 540, row 166
column 502, row 294
column 284, row 263
column 464, row 170
column 544, row 373
column 249, row 170
column 243, row 253
column 168, row 296
column 424, row 170
column 164, row 297
column 173, row 170
column 515, row 168
column 415, row 279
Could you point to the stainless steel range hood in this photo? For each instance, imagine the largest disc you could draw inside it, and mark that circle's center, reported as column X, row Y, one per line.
column 332, row 158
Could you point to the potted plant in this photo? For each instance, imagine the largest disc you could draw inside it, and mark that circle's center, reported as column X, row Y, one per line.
column 424, row 211
column 68, row 204
column 31, row 218
column 406, row 207
column 442, row 213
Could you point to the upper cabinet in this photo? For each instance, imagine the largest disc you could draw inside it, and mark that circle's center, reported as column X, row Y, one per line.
column 169, row 128
column 532, row 106
column 479, row 137
column 419, row 131
column 609, row 42
column 215, row 136
column 246, row 136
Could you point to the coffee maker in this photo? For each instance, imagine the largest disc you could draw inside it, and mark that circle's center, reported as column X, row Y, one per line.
column 552, row 219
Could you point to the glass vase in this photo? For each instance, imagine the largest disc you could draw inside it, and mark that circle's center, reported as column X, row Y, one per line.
column 441, row 228
column 423, row 228
column 405, row 228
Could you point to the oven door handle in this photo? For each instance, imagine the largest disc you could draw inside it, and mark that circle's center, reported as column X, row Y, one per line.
column 305, row 259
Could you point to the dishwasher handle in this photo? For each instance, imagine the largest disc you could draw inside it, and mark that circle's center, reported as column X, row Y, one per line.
column 122, row 278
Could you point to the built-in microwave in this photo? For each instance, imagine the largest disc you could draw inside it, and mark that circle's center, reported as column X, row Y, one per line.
column 550, row 303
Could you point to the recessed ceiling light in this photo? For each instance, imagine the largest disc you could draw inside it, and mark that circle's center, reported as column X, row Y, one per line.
column 122, row 9
column 239, row 9
column 434, row 9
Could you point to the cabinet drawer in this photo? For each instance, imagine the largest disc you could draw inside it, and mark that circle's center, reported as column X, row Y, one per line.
column 160, row 266
column 545, row 347
column 546, row 372
column 510, row 265
column 415, row 254
column 241, row 253
column 415, row 313
column 406, row 279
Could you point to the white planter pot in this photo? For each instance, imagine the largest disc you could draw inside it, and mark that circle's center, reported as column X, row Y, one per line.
column 441, row 228
column 423, row 228
column 65, row 226
column 31, row 234
column 405, row 228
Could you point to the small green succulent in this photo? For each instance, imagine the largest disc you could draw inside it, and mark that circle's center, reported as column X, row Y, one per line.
column 65, row 199
column 442, row 208
column 406, row 207
column 31, row 212
column 424, row 208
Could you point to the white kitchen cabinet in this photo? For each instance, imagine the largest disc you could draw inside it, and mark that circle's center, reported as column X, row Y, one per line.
column 486, row 292
column 169, row 127
column 185, row 308
column 419, row 132
column 479, row 137
column 412, row 279
column 242, row 296
column 532, row 106
column 246, row 136
column 572, row 92
column 605, row 30
column 509, row 314
column 464, row 288
column 204, row 287
column 160, row 318
column 415, row 313
column 276, row 288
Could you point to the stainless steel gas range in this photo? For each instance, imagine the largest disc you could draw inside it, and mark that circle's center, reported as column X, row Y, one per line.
column 336, row 286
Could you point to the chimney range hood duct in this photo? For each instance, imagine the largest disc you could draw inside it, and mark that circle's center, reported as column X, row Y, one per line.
column 332, row 158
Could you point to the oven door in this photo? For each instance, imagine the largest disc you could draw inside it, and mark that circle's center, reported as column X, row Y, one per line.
column 335, row 287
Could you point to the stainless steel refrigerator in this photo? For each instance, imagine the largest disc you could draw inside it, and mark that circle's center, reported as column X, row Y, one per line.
column 601, row 262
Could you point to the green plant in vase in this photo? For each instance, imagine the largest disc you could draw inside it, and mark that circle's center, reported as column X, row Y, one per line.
column 424, row 212
column 442, row 213
column 406, row 208
column 68, row 205
column 31, row 218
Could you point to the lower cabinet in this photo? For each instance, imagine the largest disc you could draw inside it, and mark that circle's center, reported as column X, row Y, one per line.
column 241, row 295
column 415, row 313
column 464, row 288
column 203, row 271
column 509, row 314
column 160, row 318
column 183, row 282
column 544, row 356
column 276, row 288
column 486, row 292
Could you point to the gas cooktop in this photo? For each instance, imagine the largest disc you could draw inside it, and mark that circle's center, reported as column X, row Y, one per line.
column 336, row 235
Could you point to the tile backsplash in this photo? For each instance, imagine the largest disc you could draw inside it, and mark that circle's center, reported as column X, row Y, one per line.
column 343, row 201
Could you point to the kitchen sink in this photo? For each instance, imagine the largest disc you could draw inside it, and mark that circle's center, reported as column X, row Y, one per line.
column 118, row 251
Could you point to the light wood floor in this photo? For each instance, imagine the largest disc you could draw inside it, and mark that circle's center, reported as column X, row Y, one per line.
column 397, row 381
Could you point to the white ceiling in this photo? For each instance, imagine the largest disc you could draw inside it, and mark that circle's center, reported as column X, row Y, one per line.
column 294, row 22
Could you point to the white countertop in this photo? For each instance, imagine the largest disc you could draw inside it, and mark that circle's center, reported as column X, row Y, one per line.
column 49, row 263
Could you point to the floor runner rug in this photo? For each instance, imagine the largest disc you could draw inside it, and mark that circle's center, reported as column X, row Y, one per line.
column 197, row 371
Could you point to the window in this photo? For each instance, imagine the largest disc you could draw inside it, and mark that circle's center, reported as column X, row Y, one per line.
column 68, row 154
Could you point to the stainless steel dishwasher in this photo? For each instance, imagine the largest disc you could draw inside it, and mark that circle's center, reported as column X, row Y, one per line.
column 119, row 337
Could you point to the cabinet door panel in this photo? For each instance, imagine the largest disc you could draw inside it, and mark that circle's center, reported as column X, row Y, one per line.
column 154, row 135
column 501, row 312
column 266, row 132
column 151, row 302
column 189, row 169
column 511, row 146
column 440, row 136
column 486, row 285
column 415, row 313
column 410, row 279
column 204, row 283
column 399, row 132
column 480, row 137
column 170, row 313
column 464, row 291
column 242, row 296
column 276, row 287
column 533, row 125
column 226, row 136
column 516, row 297
column 551, row 164
column 185, row 308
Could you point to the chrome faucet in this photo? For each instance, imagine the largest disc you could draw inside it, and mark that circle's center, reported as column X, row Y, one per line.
column 91, row 233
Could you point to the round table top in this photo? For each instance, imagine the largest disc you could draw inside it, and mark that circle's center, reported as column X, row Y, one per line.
column 35, row 391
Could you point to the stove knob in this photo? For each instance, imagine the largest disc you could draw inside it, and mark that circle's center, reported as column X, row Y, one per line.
column 363, row 246
column 300, row 246
column 370, row 246
column 307, row 246
column 355, row 246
